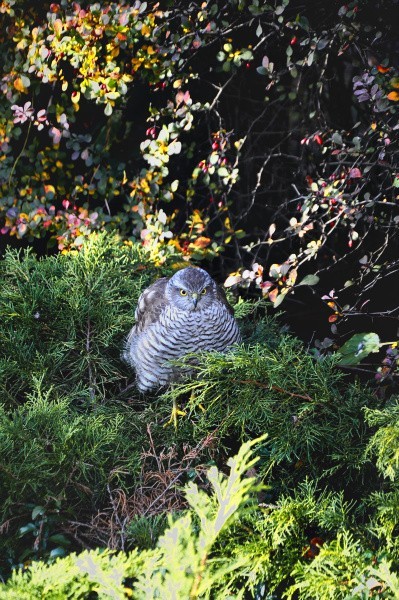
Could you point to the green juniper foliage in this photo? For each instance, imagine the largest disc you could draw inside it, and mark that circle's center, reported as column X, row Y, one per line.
column 310, row 411
column 64, row 318
column 204, row 553
column 86, row 462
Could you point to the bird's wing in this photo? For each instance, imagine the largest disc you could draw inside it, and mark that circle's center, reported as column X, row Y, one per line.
column 221, row 296
column 150, row 305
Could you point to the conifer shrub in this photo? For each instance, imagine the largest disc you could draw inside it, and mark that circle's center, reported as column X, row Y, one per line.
column 226, row 545
column 64, row 318
column 313, row 414
column 86, row 463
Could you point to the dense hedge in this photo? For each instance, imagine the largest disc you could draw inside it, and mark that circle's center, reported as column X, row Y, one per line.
column 87, row 463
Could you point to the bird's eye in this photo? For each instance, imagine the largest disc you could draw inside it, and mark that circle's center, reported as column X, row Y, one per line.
column 203, row 292
column 183, row 292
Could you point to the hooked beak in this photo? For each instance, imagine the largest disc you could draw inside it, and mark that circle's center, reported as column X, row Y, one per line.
column 195, row 300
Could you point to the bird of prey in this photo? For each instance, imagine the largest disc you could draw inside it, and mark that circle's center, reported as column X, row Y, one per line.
column 183, row 314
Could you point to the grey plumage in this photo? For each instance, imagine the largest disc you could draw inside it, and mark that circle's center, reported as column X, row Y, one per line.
column 175, row 316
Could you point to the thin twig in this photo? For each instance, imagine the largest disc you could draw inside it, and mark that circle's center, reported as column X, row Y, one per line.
column 276, row 388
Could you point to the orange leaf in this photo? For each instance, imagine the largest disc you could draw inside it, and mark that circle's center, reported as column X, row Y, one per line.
column 332, row 318
column 382, row 69
column 19, row 85
column 57, row 27
column 273, row 295
column 391, row 96
column 49, row 189
column 202, row 242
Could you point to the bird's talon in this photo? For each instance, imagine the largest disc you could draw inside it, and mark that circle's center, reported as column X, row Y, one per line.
column 176, row 412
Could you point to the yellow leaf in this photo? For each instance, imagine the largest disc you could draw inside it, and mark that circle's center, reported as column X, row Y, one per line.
column 49, row 189
column 19, row 85
column 145, row 30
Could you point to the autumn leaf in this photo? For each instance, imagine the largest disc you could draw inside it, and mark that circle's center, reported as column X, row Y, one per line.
column 273, row 295
column 201, row 242
column 394, row 96
column 19, row 85
column 49, row 190
column 57, row 27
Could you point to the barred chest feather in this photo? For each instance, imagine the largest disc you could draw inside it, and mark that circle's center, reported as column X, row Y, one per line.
column 177, row 333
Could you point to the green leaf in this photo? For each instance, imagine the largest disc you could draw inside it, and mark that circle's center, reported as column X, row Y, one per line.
column 358, row 347
column 38, row 510
column 309, row 280
column 280, row 298
column 25, row 80
column 27, row 529
column 337, row 138
column 108, row 109
column 57, row 552
column 58, row 538
column 246, row 55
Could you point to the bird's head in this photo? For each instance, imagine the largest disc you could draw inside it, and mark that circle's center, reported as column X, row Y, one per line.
column 191, row 289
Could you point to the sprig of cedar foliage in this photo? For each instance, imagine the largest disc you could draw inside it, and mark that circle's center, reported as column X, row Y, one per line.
column 182, row 564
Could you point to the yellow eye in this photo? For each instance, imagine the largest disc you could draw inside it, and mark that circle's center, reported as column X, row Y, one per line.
column 183, row 292
column 203, row 292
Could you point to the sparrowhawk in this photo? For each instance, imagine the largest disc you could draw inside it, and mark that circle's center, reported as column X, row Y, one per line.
column 175, row 316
